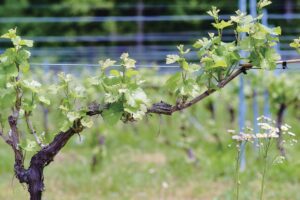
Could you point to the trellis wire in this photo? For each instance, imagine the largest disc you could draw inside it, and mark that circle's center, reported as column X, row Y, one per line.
column 138, row 66
column 92, row 19
column 292, row 61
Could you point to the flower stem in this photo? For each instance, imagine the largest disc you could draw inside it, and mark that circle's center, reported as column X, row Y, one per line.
column 237, row 174
column 264, row 169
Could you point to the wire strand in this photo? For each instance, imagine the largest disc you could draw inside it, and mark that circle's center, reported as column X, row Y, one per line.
column 281, row 62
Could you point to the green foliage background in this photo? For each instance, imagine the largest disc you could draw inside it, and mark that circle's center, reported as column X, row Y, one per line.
column 71, row 8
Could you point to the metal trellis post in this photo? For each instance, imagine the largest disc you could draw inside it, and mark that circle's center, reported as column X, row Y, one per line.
column 242, row 103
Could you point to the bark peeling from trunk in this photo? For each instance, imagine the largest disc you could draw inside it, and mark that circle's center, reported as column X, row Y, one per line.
column 279, row 123
column 34, row 175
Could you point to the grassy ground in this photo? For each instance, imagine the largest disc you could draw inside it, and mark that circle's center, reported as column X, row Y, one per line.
column 145, row 163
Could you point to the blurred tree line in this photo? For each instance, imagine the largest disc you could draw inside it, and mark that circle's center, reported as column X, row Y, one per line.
column 75, row 8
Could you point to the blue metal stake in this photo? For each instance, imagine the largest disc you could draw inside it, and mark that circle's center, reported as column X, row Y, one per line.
column 253, row 12
column 266, row 93
column 242, row 104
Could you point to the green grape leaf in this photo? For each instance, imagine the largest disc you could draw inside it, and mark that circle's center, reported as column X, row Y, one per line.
column 219, row 61
column 277, row 30
column 72, row 116
column 95, row 80
column 28, row 43
column 28, row 104
column 6, row 98
column 10, row 70
column 23, row 55
column 29, row 146
column 214, row 12
column 64, row 108
column 53, row 89
column 221, row 25
column 127, row 62
column 65, row 78
column 131, row 72
column 66, row 125
column 44, row 100
column 87, row 122
column 243, row 28
column 206, row 43
column 106, row 63
column 173, row 81
column 3, row 80
column 136, row 97
column 10, row 34
column 181, row 49
column 296, row 44
column 263, row 3
column 172, row 59
column 245, row 44
column 184, row 65
column 189, row 88
column 24, row 66
column 115, row 73
column 32, row 85
column 112, row 115
column 137, row 112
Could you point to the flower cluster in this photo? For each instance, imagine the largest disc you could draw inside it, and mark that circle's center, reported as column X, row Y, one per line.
column 268, row 131
column 251, row 137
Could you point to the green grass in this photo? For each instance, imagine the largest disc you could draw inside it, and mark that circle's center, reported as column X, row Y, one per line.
column 143, row 163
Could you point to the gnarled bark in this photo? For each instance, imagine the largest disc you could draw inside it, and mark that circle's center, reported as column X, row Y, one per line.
column 231, row 113
column 34, row 175
column 279, row 122
column 167, row 109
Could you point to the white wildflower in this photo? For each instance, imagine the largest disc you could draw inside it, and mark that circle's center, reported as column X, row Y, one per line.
column 165, row 185
column 151, row 171
column 279, row 160
column 284, row 128
column 294, row 140
column 291, row 134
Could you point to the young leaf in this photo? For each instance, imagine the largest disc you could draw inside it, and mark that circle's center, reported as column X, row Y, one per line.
column 127, row 62
column 173, row 81
column 172, row 59
column 44, row 100
column 296, row 44
column 65, row 78
column 106, row 63
column 214, row 12
column 28, row 43
column 87, row 122
column 32, row 85
column 66, row 125
column 221, row 25
column 130, row 73
column 219, row 61
column 29, row 146
column 184, row 65
column 11, row 34
column 72, row 116
column 24, row 66
column 181, row 49
column 112, row 115
column 263, row 3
